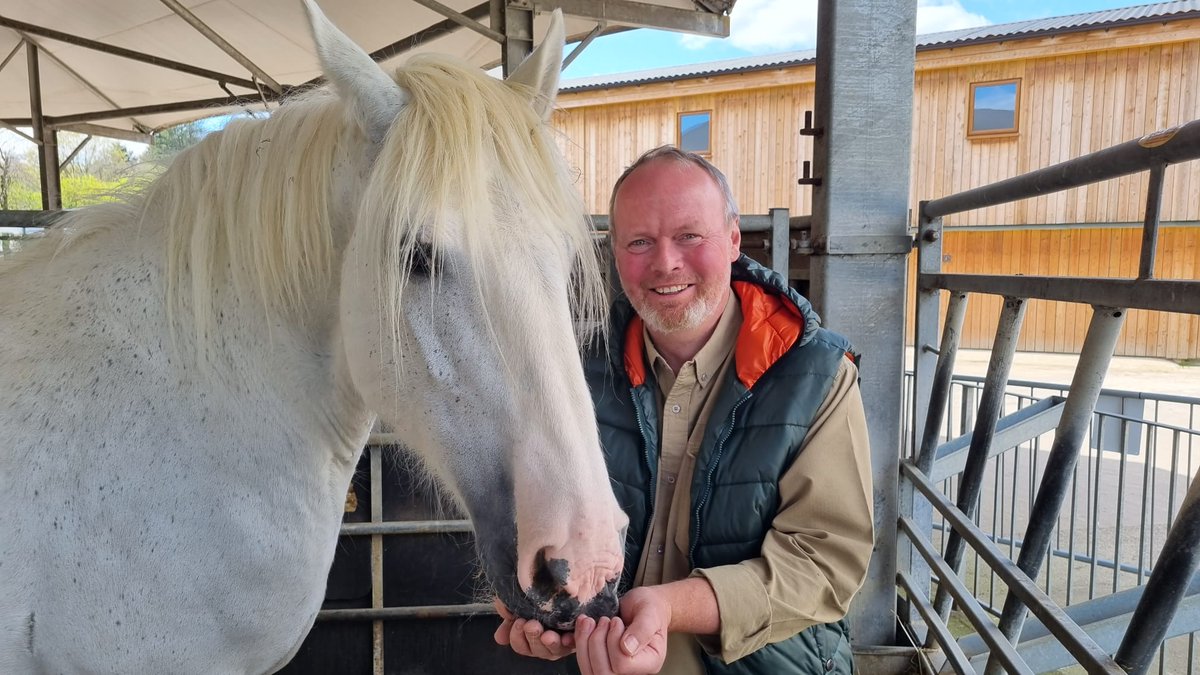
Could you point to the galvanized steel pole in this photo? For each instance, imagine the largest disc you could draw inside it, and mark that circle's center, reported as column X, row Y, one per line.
column 861, row 155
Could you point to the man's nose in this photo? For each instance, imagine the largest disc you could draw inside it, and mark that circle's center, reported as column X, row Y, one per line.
column 666, row 257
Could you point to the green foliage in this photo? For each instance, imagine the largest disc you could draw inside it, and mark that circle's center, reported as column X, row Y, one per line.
column 171, row 140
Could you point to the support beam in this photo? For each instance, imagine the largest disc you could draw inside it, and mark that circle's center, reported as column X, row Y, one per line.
column 583, row 44
column 462, row 20
column 518, row 37
column 639, row 14
column 215, row 37
column 60, row 36
column 75, row 152
column 863, row 105
column 85, row 83
column 106, row 132
column 45, row 136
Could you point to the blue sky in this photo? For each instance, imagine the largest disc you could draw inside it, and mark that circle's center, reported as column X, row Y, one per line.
column 769, row 26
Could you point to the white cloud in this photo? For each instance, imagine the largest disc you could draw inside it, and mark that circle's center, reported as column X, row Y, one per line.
column 763, row 26
column 768, row 25
column 934, row 16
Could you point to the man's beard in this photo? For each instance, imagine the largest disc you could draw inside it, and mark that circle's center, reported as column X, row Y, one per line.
column 679, row 319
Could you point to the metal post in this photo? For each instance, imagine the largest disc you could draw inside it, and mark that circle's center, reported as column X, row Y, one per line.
column 781, row 242
column 863, row 108
column 518, row 37
column 44, row 135
column 377, row 661
column 1094, row 358
column 991, row 403
column 1177, row 564
column 1154, row 190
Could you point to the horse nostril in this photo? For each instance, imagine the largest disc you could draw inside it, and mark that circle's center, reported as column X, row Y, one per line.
column 549, row 575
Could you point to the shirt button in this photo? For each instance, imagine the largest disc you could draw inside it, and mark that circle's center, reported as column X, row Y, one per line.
column 675, row 408
column 670, row 479
column 660, row 552
column 828, row 665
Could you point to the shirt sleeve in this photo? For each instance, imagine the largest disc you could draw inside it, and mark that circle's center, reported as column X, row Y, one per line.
column 814, row 558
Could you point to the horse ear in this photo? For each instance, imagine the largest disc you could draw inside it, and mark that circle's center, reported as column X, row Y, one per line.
column 540, row 70
column 376, row 98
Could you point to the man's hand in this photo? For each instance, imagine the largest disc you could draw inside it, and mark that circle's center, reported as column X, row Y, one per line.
column 633, row 644
column 529, row 638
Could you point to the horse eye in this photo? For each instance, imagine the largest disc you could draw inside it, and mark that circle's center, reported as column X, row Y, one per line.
column 420, row 260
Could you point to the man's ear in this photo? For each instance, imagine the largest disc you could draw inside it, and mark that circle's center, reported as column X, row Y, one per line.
column 735, row 236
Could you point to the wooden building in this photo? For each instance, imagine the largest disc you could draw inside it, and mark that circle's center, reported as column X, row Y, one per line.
column 989, row 103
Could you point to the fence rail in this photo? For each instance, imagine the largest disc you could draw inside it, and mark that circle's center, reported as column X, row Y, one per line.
column 988, row 449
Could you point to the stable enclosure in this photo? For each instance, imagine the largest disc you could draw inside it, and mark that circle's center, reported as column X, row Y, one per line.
column 970, row 476
column 1083, row 83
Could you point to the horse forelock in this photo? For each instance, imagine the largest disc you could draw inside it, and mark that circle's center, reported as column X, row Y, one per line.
column 468, row 165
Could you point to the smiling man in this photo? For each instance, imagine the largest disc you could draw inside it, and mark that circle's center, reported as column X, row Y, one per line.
column 736, row 441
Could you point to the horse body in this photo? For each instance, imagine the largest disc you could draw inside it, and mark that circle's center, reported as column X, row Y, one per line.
column 187, row 380
column 168, row 521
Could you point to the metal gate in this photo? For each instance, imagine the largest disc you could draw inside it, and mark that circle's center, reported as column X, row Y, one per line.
column 929, row 580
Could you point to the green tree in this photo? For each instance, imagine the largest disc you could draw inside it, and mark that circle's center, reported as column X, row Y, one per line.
column 171, row 140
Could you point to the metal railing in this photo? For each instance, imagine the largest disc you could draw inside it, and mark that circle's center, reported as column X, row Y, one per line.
column 1152, row 607
column 1124, row 494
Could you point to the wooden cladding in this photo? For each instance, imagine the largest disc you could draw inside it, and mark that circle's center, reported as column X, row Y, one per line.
column 1092, row 252
column 1079, row 93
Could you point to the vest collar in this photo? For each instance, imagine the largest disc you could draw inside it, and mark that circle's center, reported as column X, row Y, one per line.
column 770, row 326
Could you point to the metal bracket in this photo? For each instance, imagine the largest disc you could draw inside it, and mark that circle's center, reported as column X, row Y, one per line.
column 866, row 244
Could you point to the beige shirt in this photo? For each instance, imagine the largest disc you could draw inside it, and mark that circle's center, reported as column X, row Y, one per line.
column 813, row 559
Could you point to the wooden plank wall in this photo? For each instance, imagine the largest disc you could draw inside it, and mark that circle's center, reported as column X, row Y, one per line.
column 1080, row 93
column 1087, row 252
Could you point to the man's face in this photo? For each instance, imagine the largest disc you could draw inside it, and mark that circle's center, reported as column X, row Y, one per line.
column 673, row 247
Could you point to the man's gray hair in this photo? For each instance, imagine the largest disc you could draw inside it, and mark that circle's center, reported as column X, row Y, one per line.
column 674, row 154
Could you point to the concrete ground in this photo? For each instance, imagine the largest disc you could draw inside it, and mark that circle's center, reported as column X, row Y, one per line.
column 1158, row 376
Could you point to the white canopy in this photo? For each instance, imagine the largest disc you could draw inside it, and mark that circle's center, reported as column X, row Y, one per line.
column 161, row 62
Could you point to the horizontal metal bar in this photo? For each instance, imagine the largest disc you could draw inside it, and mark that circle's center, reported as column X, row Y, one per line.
column 901, row 244
column 68, row 38
column 1011, row 430
column 1156, row 294
column 423, row 612
column 107, row 132
column 954, row 654
column 1037, row 227
column 967, row 602
column 1089, row 654
column 1122, row 393
column 747, row 222
column 1169, row 146
column 407, row 527
column 1104, row 618
column 1064, row 554
column 29, row 218
column 207, row 104
column 640, row 14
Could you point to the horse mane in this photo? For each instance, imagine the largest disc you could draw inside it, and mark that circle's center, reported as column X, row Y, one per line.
column 465, row 144
column 253, row 200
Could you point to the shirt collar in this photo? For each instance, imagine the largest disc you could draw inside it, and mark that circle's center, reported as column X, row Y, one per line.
column 708, row 360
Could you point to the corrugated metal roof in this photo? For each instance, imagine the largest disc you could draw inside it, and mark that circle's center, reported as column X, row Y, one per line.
column 1159, row 11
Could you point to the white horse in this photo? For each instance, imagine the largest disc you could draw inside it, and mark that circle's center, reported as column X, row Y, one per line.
column 187, row 379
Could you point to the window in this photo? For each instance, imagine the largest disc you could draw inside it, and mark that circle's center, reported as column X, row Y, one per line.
column 994, row 108
column 695, row 132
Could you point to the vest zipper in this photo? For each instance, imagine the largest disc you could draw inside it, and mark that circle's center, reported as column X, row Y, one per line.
column 712, row 469
column 637, row 413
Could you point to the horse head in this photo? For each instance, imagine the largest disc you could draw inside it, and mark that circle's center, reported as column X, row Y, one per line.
column 468, row 265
